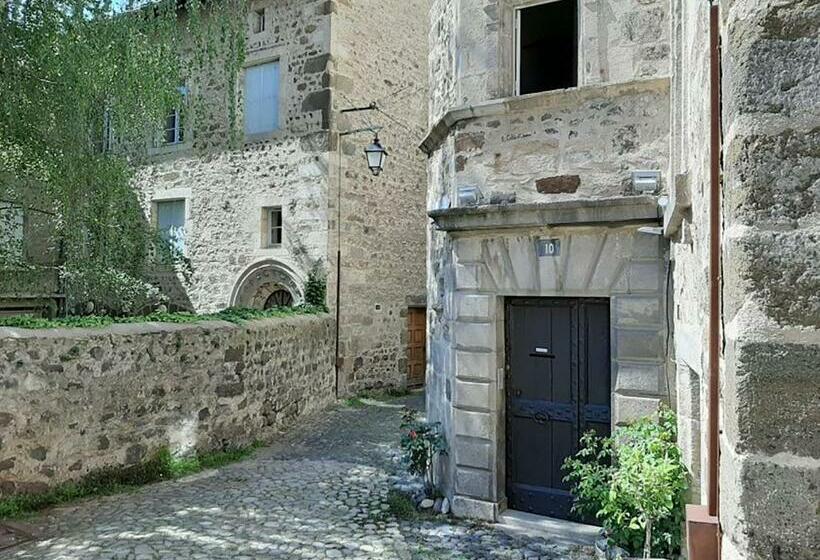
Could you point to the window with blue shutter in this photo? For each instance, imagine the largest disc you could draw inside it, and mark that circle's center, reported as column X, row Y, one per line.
column 262, row 98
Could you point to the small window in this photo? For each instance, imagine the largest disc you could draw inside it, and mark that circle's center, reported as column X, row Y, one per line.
column 173, row 132
column 274, row 228
column 171, row 223
column 262, row 98
column 259, row 22
column 547, row 37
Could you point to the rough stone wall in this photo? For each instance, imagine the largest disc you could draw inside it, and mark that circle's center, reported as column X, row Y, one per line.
column 77, row 400
column 472, row 55
column 226, row 189
column 770, row 444
column 689, row 198
column 383, row 221
column 568, row 144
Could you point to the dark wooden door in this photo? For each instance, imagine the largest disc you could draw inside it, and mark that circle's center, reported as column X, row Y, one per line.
column 557, row 388
column 416, row 346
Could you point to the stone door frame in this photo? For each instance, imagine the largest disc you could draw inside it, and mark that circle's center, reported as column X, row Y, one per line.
column 614, row 261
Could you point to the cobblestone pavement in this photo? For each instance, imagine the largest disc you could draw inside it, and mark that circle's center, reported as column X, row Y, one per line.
column 319, row 492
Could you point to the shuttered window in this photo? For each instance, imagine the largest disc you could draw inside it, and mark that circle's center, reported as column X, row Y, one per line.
column 171, row 222
column 262, row 98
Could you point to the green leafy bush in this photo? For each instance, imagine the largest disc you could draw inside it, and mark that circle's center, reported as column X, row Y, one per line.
column 634, row 482
column 316, row 287
column 420, row 443
column 108, row 291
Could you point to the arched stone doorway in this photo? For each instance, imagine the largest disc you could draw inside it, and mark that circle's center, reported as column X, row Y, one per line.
column 267, row 284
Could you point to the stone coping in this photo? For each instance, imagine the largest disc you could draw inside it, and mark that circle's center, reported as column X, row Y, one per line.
column 629, row 209
column 543, row 100
column 149, row 327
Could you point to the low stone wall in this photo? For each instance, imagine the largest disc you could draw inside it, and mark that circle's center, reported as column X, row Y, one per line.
column 73, row 401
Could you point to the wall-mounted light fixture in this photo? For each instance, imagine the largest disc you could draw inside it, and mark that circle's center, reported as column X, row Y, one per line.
column 376, row 156
column 646, row 181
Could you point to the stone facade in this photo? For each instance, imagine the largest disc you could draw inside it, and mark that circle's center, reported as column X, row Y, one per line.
column 544, row 159
column 769, row 459
column 78, row 400
column 557, row 165
column 330, row 58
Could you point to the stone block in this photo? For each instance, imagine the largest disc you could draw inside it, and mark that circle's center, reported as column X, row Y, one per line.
column 772, row 397
column 645, row 277
column 645, row 246
column 626, row 408
column 485, row 510
column 637, row 311
column 558, row 184
column 473, row 424
column 468, row 249
column 467, row 277
column 475, row 335
column 639, row 377
column 475, row 306
column 688, row 391
column 475, row 453
column 475, row 483
column 581, row 254
column 470, row 394
column 638, row 344
column 476, row 365
column 778, row 498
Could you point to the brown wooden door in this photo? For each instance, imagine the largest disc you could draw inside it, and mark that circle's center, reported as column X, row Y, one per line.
column 558, row 387
column 416, row 346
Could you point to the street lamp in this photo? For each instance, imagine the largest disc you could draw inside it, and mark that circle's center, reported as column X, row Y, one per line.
column 376, row 154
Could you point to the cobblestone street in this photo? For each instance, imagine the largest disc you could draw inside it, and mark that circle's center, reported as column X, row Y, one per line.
column 319, row 492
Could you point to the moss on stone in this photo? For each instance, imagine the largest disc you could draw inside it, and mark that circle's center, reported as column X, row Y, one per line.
column 118, row 479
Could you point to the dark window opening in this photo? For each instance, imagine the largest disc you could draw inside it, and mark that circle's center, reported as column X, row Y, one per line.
column 548, row 47
column 279, row 298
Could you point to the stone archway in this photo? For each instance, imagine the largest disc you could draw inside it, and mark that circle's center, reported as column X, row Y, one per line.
column 267, row 284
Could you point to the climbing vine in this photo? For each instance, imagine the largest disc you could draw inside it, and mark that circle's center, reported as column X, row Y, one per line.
column 85, row 88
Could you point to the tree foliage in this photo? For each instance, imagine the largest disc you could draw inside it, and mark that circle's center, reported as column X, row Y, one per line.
column 84, row 91
column 634, row 482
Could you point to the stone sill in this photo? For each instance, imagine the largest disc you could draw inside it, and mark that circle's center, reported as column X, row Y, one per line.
column 624, row 209
column 543, row 100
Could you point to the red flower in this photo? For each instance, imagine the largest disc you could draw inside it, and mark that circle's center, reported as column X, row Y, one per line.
column 413, row 434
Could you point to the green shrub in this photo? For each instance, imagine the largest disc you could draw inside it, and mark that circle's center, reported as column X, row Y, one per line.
column 420, row 443
column 634, row 482
column 316, row 287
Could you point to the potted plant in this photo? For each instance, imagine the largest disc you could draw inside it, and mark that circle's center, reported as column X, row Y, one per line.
column 634, row 483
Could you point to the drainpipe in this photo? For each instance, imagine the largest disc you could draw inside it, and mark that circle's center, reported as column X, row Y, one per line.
column 703, row 522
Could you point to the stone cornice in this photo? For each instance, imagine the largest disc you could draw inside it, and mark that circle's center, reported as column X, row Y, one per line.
column 602, row 211
column 573, row 96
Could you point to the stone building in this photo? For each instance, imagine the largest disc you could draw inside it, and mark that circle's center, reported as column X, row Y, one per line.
column 254, row 221
column 569, row 175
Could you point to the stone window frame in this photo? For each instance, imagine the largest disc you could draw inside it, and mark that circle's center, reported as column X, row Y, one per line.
column 160, row 148
column 266, row 56
column 258, row 225
column 266, row 231
column 259, row 20
column 508, row 45
column 174, row 195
